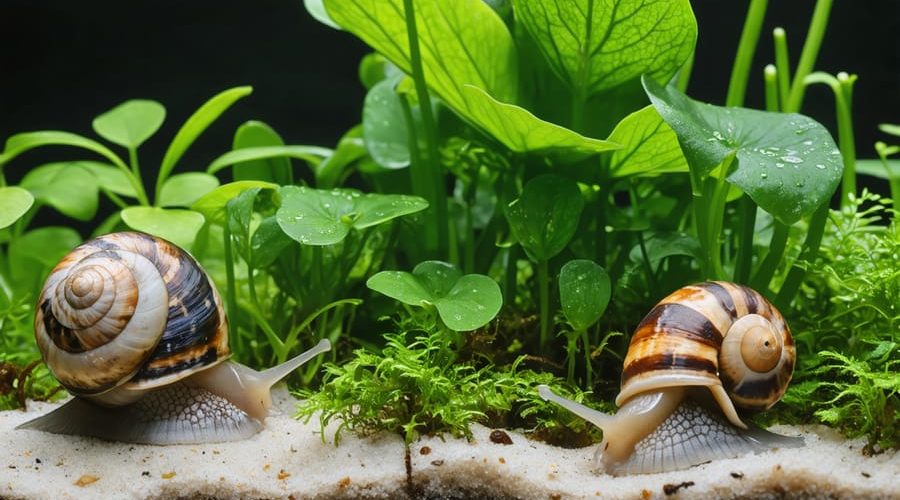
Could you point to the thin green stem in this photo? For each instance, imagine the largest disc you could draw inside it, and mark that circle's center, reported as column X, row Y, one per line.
column 846, row 139
column 770, row 75
column 469, row 243
column 744, row 260
column 807, row 256
column 684, row 74
column 230, row 292
column 571, row 349
column 783, row 65
column 588, row 369
column 777, row 246
column 543, row 276
column 808, row 56
column 432, row 164
column 740, row 71
column 136, row 180
column 716, row 212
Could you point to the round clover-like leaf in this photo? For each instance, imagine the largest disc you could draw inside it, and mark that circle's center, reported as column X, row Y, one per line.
column 178, row 226
column 545, row 216
column 66, row 186
column 584, row 291
column 787, row 163
column 324, row 217
column 213, row 204
column 463, row 302
column 14, row 202
column 384, row 125
column 131, row 123
column 181, row 190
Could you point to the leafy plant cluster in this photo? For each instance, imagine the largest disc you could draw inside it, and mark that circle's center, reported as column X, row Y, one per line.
column 529, row 167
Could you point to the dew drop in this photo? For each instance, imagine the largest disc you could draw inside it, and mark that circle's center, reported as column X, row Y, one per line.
column 792, row 159
column 764, row 175
column 820, row 166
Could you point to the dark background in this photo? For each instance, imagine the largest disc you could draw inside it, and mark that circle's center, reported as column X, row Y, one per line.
column 64, row 62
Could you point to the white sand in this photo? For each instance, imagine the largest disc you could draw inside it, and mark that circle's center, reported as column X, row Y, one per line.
column 289, row 459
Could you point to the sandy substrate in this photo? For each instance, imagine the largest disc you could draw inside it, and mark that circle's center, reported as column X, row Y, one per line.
column 289, row 459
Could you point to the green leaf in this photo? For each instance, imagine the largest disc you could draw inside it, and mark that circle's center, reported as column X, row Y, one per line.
column 889, row 128
column 311, row 154
column 384, row 126
column 23, row 142
column 110, row 178
column 545, row 216
column 195, row 125
column 787, row 163
column 462, row 42
column 267, row 242
column 182, row 190
column 584, row 292
column 593, row 46
column 374, row 68
column 212, row 205
column 324, row 217
column 876, row 168
column 667, row 244
column 317, row 9
column 649, row 146
column 67, row 186
column 521, row 131
column 333, row 169
column 33, row 254
column 14, row 203
column 131, row 123
column 178, row 226
column 463, row 302
column 256, row 134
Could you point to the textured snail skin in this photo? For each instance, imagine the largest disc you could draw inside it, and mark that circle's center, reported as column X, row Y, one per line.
column 711, row 339
column 133, row 326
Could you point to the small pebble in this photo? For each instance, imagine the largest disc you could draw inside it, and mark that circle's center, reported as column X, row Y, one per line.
column 500, row 437
column 671, row 489
column 425, row 450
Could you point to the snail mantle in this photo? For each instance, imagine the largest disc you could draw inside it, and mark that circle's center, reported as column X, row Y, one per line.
column 289, row 458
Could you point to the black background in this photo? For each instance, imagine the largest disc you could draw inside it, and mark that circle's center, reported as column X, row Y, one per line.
column 64, row 62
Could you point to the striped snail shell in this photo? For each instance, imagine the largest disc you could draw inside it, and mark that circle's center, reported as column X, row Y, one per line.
column 133, row 327
column 710, row 339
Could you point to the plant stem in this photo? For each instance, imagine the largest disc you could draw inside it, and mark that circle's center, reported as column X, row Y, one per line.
column 716, row 212
column 810, row 250
column 809, row 54
column 740, row 71
column 777, row 246
column 684, row 74
column 230, row 292
column 770, row 75
column 846, row 140
column 432, row 166
column 783, row 66
column 136, row 180
column 588, row 369
column 543, row 276
column 747, row 224
column 571, row 348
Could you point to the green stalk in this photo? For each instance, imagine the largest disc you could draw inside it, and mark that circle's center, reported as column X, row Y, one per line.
column 747, row 224
column 777, row 246
column 809, row 54
column 716, row 212
column 230, row 292
column 431, row 165
column 846, row 139
column 783, row 65
column 810, row 250
column 740, row 71
column 543, row 276
column 135, row 178
column 588, row 370
column 469, row 243
column 770, row 75
column 421, row 185
column 684, row 74
column 571, row 347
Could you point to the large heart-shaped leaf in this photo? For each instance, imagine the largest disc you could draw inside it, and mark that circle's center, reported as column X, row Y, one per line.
column 597, row 45
column 384, row 125
column 545, row 216
column 66, row 186
column 463, row 302
column 787, row 163
column 212, row 205
column 131, row 123
column 649, row 146
column 584, row 291
column 182, row 190
column 521, row 131
column 324, row 217
column 178, row 226
column 277, row 169
column 14, row 202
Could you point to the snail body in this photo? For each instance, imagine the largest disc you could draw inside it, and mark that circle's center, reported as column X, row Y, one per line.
column 713, row 344
column 134, row 328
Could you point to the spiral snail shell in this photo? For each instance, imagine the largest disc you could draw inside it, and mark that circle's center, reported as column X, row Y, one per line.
column 134, row 328
column 714, row 340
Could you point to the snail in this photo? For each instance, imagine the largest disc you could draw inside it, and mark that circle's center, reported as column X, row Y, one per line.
column 700, row 353
column 134, row 328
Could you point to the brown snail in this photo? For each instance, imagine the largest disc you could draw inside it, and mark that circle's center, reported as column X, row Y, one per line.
column 716, row 343
column 134, row 328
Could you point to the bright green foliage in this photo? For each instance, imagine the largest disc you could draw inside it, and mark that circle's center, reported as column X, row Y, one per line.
column 14, row 202
column 584, row 292
column 131, row 123
column 384, row 125
column 649, row 146
column 545, row 216
column 176, row 225
column 597, row 45
column 787, row 163
column 463, row 302
column 415, row 388
column 182, row 190
column 212, row 204
column 257, row 134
